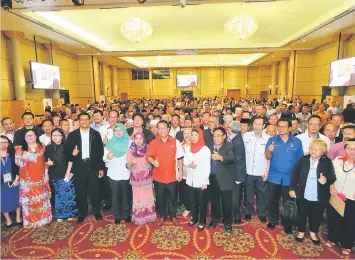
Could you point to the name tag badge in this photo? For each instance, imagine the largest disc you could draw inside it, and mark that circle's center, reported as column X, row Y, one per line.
column 7, row 177
column 291, row 149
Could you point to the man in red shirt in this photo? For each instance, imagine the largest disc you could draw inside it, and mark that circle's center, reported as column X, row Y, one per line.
column 163, row 152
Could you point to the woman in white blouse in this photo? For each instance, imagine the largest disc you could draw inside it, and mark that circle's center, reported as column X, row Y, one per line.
column 115, row 157
column 342, row 229
column 198, row 161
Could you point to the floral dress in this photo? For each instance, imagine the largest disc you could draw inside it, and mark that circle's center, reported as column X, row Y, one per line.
column 34, row 193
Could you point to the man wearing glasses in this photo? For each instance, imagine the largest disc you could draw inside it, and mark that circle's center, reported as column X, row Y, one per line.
column 283, row 151
column 28, row 122
column 85, row 149
column 314, row 125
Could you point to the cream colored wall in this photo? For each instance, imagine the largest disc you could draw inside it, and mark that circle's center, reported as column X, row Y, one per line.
column 211, row 82
column 75, row 73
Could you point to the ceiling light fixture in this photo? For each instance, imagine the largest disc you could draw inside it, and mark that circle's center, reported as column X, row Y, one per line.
column 56, row 19
column 78, row 2
column 244, row 26
column 136, row 29
column 6, row 4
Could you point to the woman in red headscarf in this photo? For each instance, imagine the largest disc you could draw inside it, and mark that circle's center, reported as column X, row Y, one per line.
column 199, row 162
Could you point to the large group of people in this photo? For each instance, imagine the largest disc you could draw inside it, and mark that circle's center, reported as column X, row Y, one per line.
column 149, row 159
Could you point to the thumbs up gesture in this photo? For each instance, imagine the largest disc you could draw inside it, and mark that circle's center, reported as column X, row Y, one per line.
column 105, row 141
column 156, row 163
column 49, row 162
column 322, row 180
column 271, row 147
column 75, row 151
column 110, row 155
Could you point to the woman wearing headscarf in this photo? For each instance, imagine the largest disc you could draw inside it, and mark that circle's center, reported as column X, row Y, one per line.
column 143, row 210
column 199, row 162
column 115, row 157
column 34, row 187
column 9, row 181
column 59, row 171
column 341, row 229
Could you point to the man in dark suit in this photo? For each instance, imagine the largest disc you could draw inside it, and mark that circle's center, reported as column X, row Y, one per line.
column 222, row 179
column 138, row 126
column 85, row 149
column 236, row 139
column 187, row 123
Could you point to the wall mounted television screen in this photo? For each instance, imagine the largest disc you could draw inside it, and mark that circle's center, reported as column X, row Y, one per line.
column 186, row 80
column 342, row 73
column 45, row 76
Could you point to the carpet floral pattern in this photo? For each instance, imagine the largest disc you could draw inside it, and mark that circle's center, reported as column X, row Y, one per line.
column 106, row 240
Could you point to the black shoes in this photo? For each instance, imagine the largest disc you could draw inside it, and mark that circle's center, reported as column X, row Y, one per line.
column 98, row 216
column 237, row 221
column 201, row 227
column 247, row 217
column 298, row 239
column 213, row 224
column 271, row 226
column 228, row 228
column 315, row 242
column 127, row 220
column 81, row 219
column 262, row 219
column 117, row 220
column 106, row 207
column 192, row 222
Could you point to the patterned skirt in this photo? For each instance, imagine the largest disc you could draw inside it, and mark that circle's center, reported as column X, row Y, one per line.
column 36, row 207
column 65, row 205
column 143, row 210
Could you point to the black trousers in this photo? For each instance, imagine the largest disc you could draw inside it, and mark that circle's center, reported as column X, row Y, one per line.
column 227, row 202
column 86, row 184
column 121, row 192
column 256, row 185
column 313, row 210
column 215, row 197
column 342, row 229
column 275, row 192
column 105, row 191
column 184, row 197
column 198, row 202
column 166, row 198
column 237, row 199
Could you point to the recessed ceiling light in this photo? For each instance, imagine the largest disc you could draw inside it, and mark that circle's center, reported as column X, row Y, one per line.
column 28, row 25
column 82, row 47
column 304, row 40
column 327, row 29
column 98, row 53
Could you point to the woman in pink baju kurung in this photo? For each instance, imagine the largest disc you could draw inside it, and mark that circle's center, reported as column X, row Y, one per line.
column 141, row 180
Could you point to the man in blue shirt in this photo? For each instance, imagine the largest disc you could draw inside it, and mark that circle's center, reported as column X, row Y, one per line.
column 283, row 151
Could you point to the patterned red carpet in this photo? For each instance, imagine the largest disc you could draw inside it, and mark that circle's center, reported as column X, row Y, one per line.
column 103, row 239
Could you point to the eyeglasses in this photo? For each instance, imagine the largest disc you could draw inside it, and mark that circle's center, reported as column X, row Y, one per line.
column 27, row 136
column 314, row 124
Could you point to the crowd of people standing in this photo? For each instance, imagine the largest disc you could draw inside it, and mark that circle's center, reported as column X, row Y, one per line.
column 148, row 160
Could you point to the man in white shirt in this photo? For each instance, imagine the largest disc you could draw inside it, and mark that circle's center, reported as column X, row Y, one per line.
column 106, row 130
column 174, row 125
column 257, row 169
column 314, row 125
column 303, row 117
column 98, row 120
column 47, row 127
column 9, row 128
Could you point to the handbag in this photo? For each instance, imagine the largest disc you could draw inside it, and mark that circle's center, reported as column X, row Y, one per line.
column 290, row 212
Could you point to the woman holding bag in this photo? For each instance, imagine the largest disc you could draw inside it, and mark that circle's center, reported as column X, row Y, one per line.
column 341, row 229
column 310, row 181
column 59, row 171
